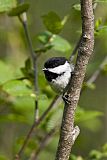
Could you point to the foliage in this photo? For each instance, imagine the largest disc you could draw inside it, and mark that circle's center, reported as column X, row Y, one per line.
column 57, row 42
column 21, row 8
column 6, row 5
column 17, row 96
column 93, row 155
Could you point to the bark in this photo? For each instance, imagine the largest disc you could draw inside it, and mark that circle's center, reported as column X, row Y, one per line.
column 68, row 131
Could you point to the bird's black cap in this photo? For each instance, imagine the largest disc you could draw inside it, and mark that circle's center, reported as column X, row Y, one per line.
column 55, row 62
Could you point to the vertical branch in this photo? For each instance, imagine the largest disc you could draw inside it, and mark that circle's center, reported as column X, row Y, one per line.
column 23, row 20
column 68, row 132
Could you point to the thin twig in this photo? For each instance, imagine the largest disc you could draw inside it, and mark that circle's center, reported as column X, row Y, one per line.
column 97, row 72
column 35, row 124
column 43, row 143
column 23, row 20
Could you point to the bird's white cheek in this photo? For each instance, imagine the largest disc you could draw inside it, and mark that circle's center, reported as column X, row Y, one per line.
column 60, row 69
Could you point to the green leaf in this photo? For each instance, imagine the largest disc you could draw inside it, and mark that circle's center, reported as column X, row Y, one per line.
column 27, row 70
column 89, row 85
column 77, row 7
column 14, row 118
column 88, row 119
column 95, row 155
column 3, row 157
column 98, row 23
column 6, row 72
column 104, row 148
column 52, row 22
column 45, row 37
column 72, row 157
column 104, row 28
column 24, row 104
column 31, row 144
column 17, row 88
column 28, row 64
column 82, row 115
column 6, row 5
column 19, row 9
column 54, row 119
column 100, row 1
column 104, row 70
column 104, row 151
column 58, row 43
column 45, row 48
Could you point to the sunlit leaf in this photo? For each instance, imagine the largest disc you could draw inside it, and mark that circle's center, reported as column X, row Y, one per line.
column 6, row 72
column 54, row 119
column 104, row 70
column 77, row 7
column 95, row 155
column 72, row 157
column 24, row 105
column 45, row 37
column 58, row 43
column 6, row 5
column 19, row 9
column 104, row 148
column 100, row 1
column 52, row 22
column 45, row 48
column 32, row 145
column 89, row 85
column 82, row 115
column 14, row 118
column 17, row 88
column 3, row 157
column 89, row 119
column 98, row 23
column 102, row 28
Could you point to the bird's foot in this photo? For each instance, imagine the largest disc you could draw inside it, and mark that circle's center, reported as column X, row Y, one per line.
column 66, row 99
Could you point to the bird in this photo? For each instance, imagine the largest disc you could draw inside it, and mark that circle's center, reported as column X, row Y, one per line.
column 58, row 71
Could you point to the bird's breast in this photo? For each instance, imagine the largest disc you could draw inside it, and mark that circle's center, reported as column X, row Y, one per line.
column 60, row 82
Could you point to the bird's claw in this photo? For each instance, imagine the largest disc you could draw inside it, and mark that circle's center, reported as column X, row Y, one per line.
column 65, row 97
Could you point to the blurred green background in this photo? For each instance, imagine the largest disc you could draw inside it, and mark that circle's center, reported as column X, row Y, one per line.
column 16, row 100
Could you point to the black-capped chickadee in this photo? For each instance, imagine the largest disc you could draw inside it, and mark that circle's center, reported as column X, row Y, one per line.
column 58, row 72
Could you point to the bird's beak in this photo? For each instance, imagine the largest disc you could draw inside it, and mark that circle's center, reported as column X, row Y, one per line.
column 44, row 69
